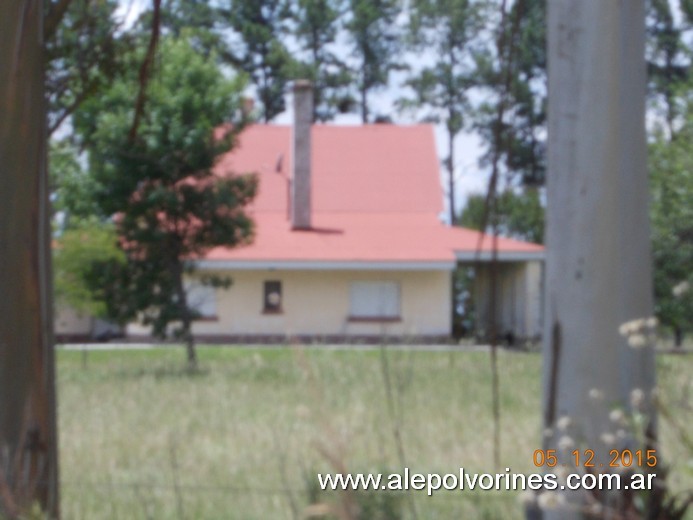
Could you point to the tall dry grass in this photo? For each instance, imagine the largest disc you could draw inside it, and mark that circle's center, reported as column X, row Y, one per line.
column 243, row 437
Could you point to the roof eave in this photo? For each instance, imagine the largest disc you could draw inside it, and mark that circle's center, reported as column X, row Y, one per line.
column 325, row 265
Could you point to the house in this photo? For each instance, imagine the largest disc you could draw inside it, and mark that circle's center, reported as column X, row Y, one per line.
column 72, row 326
column 349, row 243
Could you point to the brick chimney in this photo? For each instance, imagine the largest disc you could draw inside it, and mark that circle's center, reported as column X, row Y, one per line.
column 301, row 182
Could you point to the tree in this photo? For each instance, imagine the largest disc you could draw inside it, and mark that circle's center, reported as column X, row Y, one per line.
column 87, row 262
column 448, row 28
column 84, row 42
column 520, row 214
column 28, row 438
column 671, row 164
column 170, row 207
column 316, row 28
column 522, row 137
column 259, row 49
column 198, row 20
column 598, row 270
column 72, row 187
column 375, row 45
column 521, row 74
column 668, row 59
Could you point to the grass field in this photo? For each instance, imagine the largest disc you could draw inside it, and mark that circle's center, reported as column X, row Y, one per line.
column 245, row 437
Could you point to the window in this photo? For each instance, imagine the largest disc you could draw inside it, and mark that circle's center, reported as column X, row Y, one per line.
column 272, row 297
column 202, row 299
column 377, row 301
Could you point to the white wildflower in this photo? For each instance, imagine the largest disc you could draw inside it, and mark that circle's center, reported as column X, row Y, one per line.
column 564, row 423
column 608, row 438
column 565, row 443
column 595, row 509
column 621, row 434
column 637, row 398
column 596, row 394
column 617, row 416
column 637, row 341
column 639, row 326
column 550, row 500
column 681, row 288
column 641, row 332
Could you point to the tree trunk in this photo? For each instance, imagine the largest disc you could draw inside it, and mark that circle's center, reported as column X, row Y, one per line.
column 678, row 337
column 186, row 319
column 28, row 436
column 190, row 350
column 598, row 271
column 364, row 105
column 451, row 176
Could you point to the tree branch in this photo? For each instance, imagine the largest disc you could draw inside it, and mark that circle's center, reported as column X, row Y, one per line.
column 54, row 17
column 68, row 110
column 145, row 69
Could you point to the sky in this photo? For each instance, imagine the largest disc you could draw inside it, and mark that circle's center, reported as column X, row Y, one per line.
column 470, row 178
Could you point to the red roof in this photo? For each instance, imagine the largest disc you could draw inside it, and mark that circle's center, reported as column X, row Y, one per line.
column 376, row 199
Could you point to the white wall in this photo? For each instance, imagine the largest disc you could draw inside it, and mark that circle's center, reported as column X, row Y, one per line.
column 317, row 303
column 68, row 322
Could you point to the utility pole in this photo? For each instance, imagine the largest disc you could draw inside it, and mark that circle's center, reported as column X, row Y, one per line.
column 28, row 437
column 598, row 269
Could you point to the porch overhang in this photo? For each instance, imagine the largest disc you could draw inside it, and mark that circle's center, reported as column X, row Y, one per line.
column 502, row 256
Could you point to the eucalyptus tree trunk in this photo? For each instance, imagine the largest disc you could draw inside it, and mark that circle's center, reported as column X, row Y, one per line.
column 28, row 440
column 598, row 272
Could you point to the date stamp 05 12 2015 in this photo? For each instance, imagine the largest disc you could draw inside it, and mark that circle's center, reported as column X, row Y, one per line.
column 585, row 459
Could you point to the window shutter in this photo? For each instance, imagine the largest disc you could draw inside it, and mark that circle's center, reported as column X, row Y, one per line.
column 375, row 299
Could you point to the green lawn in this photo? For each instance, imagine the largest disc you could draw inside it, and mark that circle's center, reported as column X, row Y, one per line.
column 244, row 438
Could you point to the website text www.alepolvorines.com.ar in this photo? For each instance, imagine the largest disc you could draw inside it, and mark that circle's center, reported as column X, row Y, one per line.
column 462, row 480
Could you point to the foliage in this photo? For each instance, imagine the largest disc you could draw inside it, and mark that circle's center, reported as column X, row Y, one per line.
column 198, row 20
column 671, row 161
column 72, row 186
column 521, row 75
column 520, row 214
column 521, row 138
column 671, row 165
column 169, row 204
column 448, row 28
column 668, row 58
column 375, row 46
column 259, row 49
column 85, row 258
column 316, row 26
column 84, row 43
